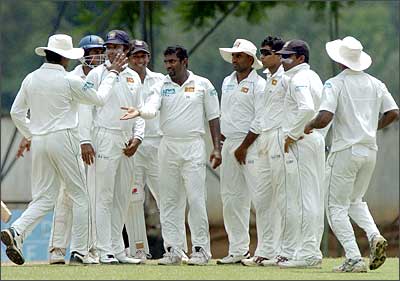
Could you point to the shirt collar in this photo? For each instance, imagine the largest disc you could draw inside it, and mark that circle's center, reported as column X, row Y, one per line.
column 303, row 66
column 251, row 77
column 53, row 66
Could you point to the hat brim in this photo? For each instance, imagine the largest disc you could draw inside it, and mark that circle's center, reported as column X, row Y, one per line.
column 285, row 52
column 226, row 54
column 136, row 50
column 74, row 53
column 116, row 41
column 332, row 48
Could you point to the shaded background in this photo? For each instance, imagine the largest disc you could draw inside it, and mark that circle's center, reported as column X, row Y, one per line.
column 202, row 27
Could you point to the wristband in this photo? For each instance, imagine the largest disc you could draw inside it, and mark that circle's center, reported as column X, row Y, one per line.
column 116, row 72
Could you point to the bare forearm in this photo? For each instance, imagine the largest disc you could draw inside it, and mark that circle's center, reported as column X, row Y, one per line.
column 387, row 118
column 322, row 120
column 215, row 133
column 249, row 139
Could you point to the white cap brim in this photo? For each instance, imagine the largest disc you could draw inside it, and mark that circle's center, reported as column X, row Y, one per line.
column 226, row 54
column 332, row 49
column 74, row 53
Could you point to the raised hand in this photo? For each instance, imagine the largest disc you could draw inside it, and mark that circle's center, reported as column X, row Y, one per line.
column 119, row 63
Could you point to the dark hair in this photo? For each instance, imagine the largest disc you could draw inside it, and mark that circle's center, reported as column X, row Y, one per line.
column 276, row 43
column 180, row 52
column 52, row 57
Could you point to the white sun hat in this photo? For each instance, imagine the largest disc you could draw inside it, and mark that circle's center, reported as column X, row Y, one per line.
column 62, row 45
column 241, row 46
column 348, row 52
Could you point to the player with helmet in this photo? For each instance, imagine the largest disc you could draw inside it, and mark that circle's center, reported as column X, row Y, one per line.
column 62, row 221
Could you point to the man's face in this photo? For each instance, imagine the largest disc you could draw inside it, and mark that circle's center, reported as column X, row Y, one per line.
column 241, row 62
column 139, row 61
column 94, row 56
column 113, row 49
column 290, row 60
column 174, row 66
column 268, row 57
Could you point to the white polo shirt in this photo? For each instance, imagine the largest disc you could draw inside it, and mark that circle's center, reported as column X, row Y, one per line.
column 183, row 109
column 152, row 125
column 238, row 104
column 356, row 98
column 52, row 95
column 126, row 92
column 271, row 114
column 302, row 99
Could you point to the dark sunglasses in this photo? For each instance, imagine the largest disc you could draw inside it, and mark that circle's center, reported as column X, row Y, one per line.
column 286, row 56
column 266, row 52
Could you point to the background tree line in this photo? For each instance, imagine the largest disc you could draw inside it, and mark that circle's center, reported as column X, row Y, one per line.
column 202, row 27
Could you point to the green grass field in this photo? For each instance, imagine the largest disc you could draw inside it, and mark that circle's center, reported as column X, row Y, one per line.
column 389, row 271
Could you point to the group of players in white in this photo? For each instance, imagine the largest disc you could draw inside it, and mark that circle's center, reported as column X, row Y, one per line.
column 102, row 132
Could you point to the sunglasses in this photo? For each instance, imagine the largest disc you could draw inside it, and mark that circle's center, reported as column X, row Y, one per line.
column 286, row 56
column 266, row 52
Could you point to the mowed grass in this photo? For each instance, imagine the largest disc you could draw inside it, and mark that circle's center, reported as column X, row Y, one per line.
column 389, row 271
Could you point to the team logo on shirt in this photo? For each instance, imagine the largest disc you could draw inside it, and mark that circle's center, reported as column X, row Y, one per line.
column 274, row 82
column 328, row 85
column 213, row 93
column 130, row 80
column 87, row 85
column 167, row 92
column 189, row 89
column 244, row 90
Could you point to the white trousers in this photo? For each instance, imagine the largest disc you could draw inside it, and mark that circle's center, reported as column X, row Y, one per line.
column 56, row 159
column 112, row 176
column 60, row 236
column 311, row 166
column 348, row 174
column 183, row 174
column 281, row 184
column 239, row 186
column 146, row 173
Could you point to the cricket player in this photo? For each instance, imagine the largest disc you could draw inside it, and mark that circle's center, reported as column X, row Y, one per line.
column 108, row 145
column 185, row 102
column 146, row 157
column 305, row 155
column 354, row 100
column 52, row 96
column 241, row 92
column 62, row 221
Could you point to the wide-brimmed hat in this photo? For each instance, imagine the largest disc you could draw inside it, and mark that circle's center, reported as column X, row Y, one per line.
column 241, row 46
column 62, row 45
column 348, row 52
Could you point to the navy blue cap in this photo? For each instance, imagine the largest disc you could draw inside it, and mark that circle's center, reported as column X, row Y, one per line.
column 117, row 37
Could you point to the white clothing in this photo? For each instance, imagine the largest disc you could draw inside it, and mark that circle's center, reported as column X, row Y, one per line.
column 111, row 176
column 183, row 174
column 348, row 175
column 54, row 105
column 182, row 157
column 60, row 235
column 239, row 183
column 238, row 103
column 184, row 108
column 281, row 185
column 356, row 98
column 302, row 100
column 52, row 95
column 146, row 171
column 127, row 92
